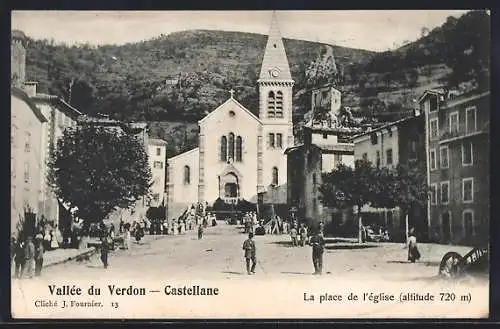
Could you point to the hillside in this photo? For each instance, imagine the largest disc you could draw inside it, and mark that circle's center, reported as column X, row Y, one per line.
column 181, row 76
column 129, row 81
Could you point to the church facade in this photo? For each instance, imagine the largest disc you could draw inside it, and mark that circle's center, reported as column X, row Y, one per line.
column 240, row 155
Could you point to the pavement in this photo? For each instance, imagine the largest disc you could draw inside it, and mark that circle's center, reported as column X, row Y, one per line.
column 219, row 255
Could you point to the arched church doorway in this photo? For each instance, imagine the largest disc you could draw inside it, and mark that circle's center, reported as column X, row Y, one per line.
column 229, row 188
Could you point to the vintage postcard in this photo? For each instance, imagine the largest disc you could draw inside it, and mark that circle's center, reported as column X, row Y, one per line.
column 250, row 164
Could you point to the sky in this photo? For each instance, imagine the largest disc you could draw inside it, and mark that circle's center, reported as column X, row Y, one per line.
column 376, row 30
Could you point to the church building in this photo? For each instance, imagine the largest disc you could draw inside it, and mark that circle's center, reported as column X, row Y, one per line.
column 239, row 155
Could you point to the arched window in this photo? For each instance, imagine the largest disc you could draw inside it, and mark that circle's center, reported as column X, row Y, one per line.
column 187, row 175
column 231, row 146
column 271, row 105
column 223, row 148
column 238, row 148
column 279, row 104
column 275, row 176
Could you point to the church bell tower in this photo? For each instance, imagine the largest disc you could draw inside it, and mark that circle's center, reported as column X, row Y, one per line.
column 276, row 84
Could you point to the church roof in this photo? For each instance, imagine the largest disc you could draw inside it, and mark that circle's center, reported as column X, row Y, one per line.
column 231, row 99
column 275, row 56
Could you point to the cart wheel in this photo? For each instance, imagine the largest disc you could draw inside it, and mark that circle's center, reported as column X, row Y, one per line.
column 448, row 268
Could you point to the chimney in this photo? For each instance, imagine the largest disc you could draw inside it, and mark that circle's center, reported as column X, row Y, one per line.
column 30, row 88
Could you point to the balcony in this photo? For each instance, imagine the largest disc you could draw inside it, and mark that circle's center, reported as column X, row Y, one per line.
column 460, row 134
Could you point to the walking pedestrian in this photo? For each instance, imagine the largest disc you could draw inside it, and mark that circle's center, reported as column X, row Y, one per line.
column 39, row 251
column 250, row 253
column 413, row 252
column 293, row 235
column 30, row 257
column 303, row 234
column 104, row 251
column 200, row 232
column 318, row 243
column 126, row 236
column 19, row 258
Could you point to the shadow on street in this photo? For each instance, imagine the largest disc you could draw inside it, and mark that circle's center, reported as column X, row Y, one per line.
column 350, row 246
column 231, row 272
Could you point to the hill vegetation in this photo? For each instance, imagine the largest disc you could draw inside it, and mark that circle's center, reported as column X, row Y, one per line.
column 181, row 76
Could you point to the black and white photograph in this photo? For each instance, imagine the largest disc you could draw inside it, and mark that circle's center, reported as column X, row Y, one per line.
column 250, row 164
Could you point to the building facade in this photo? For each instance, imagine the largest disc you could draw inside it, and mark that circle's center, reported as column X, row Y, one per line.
column 458, row 171
column 399, row 142
column 324, row 144
column 240, row 155
column 28, row 138
column 157, row 149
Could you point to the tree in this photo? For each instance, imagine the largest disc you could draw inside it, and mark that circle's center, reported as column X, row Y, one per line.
column 407, row 188
column 99, row 170
column 347, row 187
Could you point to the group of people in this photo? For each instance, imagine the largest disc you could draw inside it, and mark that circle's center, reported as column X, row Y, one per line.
column 316, row 241
column 27, row 256
column 298, row 235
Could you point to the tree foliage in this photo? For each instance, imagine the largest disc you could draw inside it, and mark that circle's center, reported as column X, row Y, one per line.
column 99, row 170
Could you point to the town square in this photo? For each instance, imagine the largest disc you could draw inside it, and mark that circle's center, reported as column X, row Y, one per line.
column 248, row 158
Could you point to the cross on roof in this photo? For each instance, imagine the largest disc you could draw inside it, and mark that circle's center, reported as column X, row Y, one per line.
column 231, row 92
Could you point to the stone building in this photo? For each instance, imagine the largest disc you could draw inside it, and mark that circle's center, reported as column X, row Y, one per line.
column 59, row 115
column 458, row 136
column 27, row 156
column 240, row 155
column 157, row 162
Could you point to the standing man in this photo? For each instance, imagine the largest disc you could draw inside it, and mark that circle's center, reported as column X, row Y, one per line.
column 318, row 243
column 250, row 251
column 104, row 251
column 30, row 257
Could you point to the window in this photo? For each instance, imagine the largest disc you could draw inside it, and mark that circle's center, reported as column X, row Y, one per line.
column 158, row 165
column 27, row 142
column 445, row 192
column 325, row 136
column 231, row 190
column 470, row 120
column 187, row 175
column 467, row 153
column 445, row 161
column 156, row 197
column 468, row 218
column 454, row 122
column 433, row 103
column 433, row 192
column 314, row 179
column 158, row 151
column 271, row 140
column 389, row 156
column 239, row 143
column 231, row 146
column 365, row 156
column 279, row 140
column 378, row 159
column 374, row 138
column 337, row 159
column 433, row 159
column 279, row 104
column 275, row 176
column 271, row 105
column 26, row 172
column 433, row 128
column 223, row 148
column 413, row 150
column 468, row 189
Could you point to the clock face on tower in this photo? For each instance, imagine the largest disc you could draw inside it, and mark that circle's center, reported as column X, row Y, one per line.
column 274, row 72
